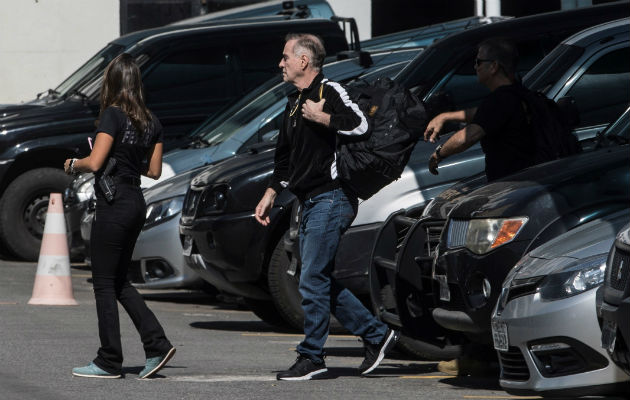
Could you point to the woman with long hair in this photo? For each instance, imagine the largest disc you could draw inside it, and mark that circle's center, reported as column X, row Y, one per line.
column 131, row 135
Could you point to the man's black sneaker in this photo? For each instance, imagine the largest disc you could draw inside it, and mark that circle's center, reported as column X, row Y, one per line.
column 304, row 369
column 374, row 353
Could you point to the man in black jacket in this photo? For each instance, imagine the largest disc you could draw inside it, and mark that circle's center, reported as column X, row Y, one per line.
column 305, row 164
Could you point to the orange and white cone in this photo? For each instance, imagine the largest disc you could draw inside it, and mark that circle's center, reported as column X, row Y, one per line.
column 53, row 285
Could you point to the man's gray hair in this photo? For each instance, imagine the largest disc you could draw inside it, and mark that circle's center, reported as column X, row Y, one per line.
column 310, row 45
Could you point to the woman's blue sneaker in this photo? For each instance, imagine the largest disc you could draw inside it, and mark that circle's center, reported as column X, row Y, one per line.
column 154, row 364
column 93, row 371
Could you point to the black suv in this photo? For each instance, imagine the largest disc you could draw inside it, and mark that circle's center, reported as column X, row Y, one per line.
column 189, row 72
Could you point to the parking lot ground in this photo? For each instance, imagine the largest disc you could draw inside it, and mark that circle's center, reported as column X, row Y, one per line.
column 223, row 352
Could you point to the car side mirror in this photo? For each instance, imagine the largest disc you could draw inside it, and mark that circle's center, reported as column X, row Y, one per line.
column 569, row 110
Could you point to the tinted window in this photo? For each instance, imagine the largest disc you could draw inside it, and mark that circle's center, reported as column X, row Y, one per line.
column 463, row 87
column 189, row 76
column 602, row 93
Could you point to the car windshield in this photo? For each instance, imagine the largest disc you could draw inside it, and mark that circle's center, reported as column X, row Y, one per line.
column 549, row 70
column 93, row 68
column 217, row 129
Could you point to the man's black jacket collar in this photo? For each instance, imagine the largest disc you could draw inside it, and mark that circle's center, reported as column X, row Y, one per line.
column 306, row 93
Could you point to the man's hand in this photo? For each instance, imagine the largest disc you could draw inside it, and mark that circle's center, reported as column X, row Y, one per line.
column 432, row 133
column 315, row 112
column 264, row 206
column 433, row 164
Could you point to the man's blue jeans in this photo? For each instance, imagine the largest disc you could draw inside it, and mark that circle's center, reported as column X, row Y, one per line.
column 324, row 219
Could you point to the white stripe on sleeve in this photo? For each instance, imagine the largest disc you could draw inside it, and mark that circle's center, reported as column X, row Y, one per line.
column 363, row 125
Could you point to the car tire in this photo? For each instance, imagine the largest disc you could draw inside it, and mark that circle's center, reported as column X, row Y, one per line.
column 23, row 209
column 284, row 287
column 266, row 311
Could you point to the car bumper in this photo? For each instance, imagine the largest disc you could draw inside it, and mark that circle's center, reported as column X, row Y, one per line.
column 158, row 261
column 469, row 307
column 619, row 315
column 218, row 279
column 232, row 246
column 579, row 366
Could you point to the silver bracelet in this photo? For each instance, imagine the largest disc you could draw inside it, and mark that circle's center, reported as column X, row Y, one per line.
column 72, row 166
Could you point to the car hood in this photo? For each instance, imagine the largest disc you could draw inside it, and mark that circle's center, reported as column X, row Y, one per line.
column 20, row 116
column 593, row 238
column 241, row 165
column 442, row 204
column 180, row 160
column 175, row 186
column 10, row 111
column 544, row 185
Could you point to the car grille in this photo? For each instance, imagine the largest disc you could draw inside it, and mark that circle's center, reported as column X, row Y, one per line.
column 457, row 229
column 620, row 270
column 434, row 230
column 191, row 201
column 513, row 365
column 523, row 287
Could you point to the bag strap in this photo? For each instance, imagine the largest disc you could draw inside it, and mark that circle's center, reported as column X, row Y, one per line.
column 321, row 91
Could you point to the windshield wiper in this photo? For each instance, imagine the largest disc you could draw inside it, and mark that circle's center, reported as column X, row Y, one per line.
column 49, row 92
column 199, row 143
column 77, row 92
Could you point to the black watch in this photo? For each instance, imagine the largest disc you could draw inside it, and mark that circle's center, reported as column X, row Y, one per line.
column 437, row 152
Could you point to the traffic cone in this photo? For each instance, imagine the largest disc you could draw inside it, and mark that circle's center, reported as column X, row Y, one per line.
column 53, row 285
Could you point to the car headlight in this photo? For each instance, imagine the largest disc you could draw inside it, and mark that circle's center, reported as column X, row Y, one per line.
column 163, row 210
column 213, row 200
column 576, row 278
column 85, row 190
column 482, row 235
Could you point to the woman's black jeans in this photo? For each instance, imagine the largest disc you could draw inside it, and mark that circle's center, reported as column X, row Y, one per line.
column 115, row 229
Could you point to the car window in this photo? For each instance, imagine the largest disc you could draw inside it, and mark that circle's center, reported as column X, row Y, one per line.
column 602, row 92
column 189, row 76
column 463, row 87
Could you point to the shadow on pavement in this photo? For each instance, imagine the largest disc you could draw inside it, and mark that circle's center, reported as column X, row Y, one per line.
column 241, row 326
column 474, row 382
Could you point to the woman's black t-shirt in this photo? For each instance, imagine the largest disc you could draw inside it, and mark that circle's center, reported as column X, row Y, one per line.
column 509, row 143
column 129, row 149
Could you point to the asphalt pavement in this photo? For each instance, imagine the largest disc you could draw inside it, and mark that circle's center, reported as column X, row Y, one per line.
column 223, row 352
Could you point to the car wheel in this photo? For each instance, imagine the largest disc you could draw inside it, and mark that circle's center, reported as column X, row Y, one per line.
column 23, row 209
column 283, row 287
column 266, row 311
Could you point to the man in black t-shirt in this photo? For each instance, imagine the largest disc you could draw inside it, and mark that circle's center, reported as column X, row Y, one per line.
column 499, row 123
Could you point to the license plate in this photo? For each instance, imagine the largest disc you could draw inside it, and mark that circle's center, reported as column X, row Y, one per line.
column 445, row 293
column 609, row 335
column 188, row 245
column 500, row 335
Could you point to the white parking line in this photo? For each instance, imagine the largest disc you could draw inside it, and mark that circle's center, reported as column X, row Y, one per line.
column 222, row 378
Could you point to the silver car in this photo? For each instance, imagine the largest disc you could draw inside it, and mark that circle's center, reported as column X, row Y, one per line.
column 545, row 325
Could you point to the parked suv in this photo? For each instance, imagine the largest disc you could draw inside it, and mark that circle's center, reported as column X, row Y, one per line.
column 189, row 72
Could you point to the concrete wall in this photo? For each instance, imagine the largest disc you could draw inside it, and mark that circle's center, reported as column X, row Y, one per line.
column 361, row 10
column 43, row 41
